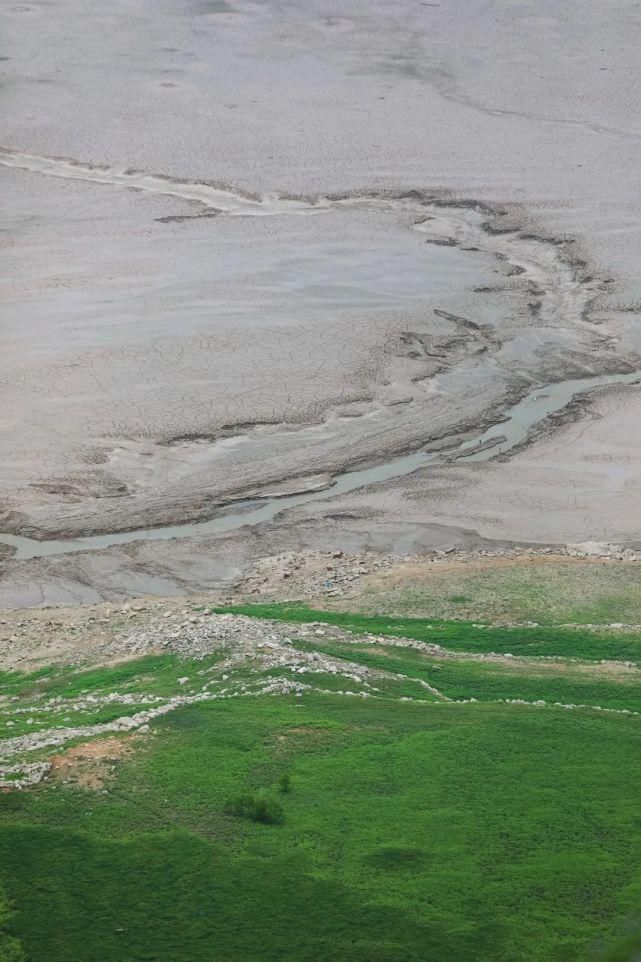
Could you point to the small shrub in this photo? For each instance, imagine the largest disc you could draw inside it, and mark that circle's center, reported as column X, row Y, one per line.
column 257, row 808
column 397, row 859
column 285, row 784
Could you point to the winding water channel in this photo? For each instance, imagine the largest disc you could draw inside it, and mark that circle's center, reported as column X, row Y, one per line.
column 564, row 297
column 499, row 438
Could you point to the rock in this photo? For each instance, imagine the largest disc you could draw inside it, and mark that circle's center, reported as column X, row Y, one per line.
column 593, row 549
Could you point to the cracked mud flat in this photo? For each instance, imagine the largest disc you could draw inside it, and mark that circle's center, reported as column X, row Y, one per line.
column 198, row 316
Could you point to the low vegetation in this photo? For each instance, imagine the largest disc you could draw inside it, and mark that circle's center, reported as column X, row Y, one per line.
column 258, row 808
column 542, row 589
column 10, row 946
column 463, row 635
column 443, row 810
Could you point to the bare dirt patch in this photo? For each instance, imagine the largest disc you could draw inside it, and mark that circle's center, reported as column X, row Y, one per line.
column 92, row 764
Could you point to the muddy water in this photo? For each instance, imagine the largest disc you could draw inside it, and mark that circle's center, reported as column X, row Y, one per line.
column 500, row 438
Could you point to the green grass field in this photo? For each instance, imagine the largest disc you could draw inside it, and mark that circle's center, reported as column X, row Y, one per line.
column 457, row 635
column 410, row 831
column 416, row 830
column 487, row 681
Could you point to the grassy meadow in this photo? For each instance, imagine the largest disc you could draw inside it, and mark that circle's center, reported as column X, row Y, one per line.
column 455, row 823
column 414, row 831
column 477, row 637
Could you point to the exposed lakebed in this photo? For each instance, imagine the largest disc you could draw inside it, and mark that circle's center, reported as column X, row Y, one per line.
column 262, row 346
column 519, row 421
